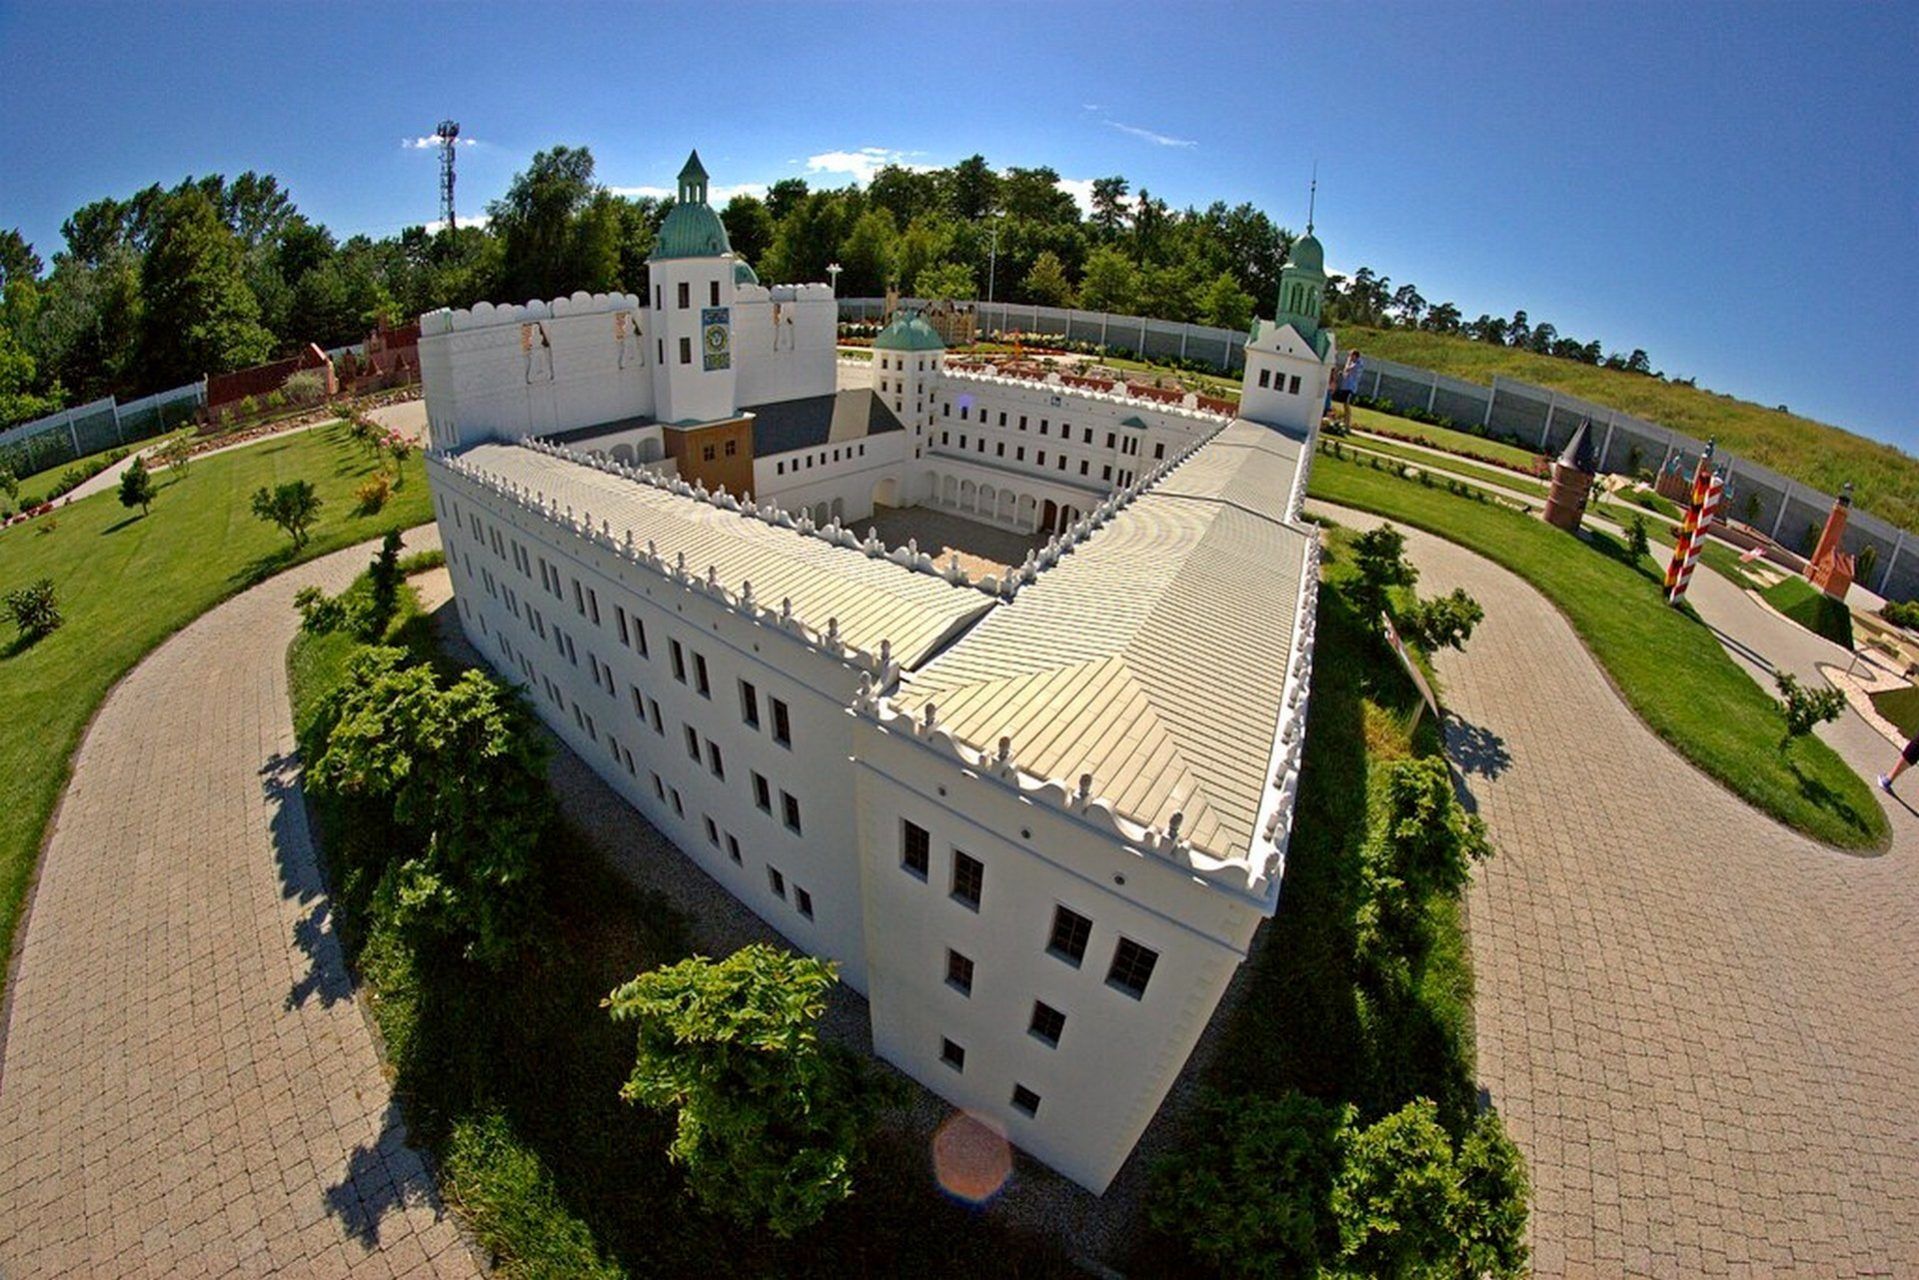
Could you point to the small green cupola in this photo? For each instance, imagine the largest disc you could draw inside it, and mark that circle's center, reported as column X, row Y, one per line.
column 1302, row 286
column 691, row 228
column 908, row 331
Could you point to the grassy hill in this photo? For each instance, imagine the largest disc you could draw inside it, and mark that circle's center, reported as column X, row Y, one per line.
column 1885, row 479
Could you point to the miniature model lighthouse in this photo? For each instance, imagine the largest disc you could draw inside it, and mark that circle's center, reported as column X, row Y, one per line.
column 1573, row 472
column 1830, row 569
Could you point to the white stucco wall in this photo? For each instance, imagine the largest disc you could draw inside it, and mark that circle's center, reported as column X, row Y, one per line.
column 1280, row 355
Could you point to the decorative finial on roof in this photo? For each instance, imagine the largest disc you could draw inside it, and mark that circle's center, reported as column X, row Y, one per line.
column 1312, row 198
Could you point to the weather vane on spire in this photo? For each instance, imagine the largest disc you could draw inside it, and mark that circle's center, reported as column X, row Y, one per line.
column 1312, row 198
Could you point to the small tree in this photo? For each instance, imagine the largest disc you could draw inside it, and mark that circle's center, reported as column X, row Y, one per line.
column 294, row 506
column 1636, row 540
column 770, row 1121
column 34, row 610
column 399, row 448
column 1446, row 620
column 177, row 452
column 136, row 485
column 1379, row 556
column 383, row 586
column 1805, row 708
column 1749, row 508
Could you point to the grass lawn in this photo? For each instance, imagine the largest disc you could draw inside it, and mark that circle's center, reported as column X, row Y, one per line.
column 513, row 1081
column 1886, row 479
column 125, row 582
column 1667, row 666
column 1901, row 706
column 1811, row 608
column 1446, row 438
column 1490, row 476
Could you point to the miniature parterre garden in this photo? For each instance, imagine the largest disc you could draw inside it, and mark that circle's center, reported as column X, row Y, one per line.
column 1343, row 1095
column 123, row 582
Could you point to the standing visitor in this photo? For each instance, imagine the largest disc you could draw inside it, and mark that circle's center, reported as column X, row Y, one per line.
column 1908, row 757
column 1349, row 387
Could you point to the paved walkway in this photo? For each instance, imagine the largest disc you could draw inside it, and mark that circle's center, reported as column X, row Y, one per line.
column 1702, row 1029
column 189, row 1087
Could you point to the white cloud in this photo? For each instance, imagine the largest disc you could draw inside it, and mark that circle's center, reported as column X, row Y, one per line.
column 1157, row 139
column 433, row 143
column 434, row 227
column 1081, row 189
column 717, row 193
column 862, row 164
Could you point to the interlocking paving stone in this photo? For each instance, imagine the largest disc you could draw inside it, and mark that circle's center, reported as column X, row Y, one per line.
column 1702, row 1029
column 189, row 1087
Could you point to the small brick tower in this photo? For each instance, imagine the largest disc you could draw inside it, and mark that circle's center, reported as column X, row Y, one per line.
column 1573, row 472
column 1830, row 569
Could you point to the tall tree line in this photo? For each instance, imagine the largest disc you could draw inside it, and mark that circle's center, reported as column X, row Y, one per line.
column 215, row 274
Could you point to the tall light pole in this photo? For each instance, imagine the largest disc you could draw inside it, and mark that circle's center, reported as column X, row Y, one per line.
column 833, row 270
column 992, row 263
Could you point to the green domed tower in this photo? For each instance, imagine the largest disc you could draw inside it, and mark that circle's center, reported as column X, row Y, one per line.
column 693, row 274
column 1302, row 286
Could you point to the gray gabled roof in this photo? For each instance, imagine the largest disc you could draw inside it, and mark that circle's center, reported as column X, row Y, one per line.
column 783, row 426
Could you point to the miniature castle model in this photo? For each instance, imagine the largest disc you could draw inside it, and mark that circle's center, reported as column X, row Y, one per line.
column 1035, row 814
column 1573, row 472
column 1830, row 569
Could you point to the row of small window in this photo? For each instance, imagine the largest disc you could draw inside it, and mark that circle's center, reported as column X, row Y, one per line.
column 707, row 452
column 821, row 458
column 1132, row 964
column 1127, row 444
column 1047, row 1023
column 1266, row 379
column 685, row 295
column 1019, row 455
column 775, row 879
column 900, row 363
column 953, row 1054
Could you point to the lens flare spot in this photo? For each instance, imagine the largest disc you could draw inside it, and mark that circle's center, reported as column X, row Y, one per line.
column 971, row 1157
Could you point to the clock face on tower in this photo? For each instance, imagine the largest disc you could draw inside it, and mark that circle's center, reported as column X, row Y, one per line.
column 716, row 338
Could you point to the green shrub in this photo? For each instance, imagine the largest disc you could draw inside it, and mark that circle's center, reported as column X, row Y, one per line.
column 1804, row 707
column 1446, row 620
column 34, row 610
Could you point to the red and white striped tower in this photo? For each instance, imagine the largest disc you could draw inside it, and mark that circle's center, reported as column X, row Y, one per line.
column 1701, row 476
column 1707, row 509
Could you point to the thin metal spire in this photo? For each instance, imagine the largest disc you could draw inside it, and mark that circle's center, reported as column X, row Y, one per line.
column 1312, row 198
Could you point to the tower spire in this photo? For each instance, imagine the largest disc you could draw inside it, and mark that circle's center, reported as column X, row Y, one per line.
column 1312, row 198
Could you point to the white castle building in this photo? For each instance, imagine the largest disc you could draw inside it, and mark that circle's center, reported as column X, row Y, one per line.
column 1036, row 814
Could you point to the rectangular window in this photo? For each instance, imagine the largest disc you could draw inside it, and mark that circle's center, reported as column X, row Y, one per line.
column 706, row 453
column 639, row 635
column 732, row 448
column 658, row 305
column 662, row 345
column 712, row 829
column 619, row 616
column 1022, row 422
column 749, row 704
column 686, row 295
column 804, row 901
column 969, row 877
column 659, row 725
column 1043, row 424
column 713, row 287
column 1132, row 967
column 1002, row 419
column 686, row 347
column 1082, row 466
column 1047, row 1023
column 1159, row 450
column 1025, row 1100
column 733, row 848
column 679, row 661
column 1111, row 439
column 659, row 788
column 1293, row 387
column 1265, row 377
column 1070, row 932
column 776, row 882
column 1042, row 457
column 782, row 724
column 714, row 764
column 790, row 811
column 692, row 743
column 699, row 675
column 579, row 599
column 916, row 849
column 959, row 972
column 952, row 1055
column 679, row 810
column 762, row 794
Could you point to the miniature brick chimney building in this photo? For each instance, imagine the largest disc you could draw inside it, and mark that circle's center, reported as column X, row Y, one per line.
column 1573, row 472
column 1830, row 569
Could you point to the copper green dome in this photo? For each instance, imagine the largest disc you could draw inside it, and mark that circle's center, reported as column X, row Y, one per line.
column 909, row 332
column 691, row 229
column 1307, row 255
column 743, row 273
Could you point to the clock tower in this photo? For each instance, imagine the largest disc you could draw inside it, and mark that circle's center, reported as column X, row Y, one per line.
column 690, row 292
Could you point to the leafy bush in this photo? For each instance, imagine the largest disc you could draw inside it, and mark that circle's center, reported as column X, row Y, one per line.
column 1805, row 708
column 1901, row 613
column 294, row 506
column 1446, row 620
column 1379, row 556
column 304, row 386
column 1424, row 846
column 770, row 1120
column 1636, row 540
column 460, row 772
column 177, row 451
column 34, row 610
column 371, row 496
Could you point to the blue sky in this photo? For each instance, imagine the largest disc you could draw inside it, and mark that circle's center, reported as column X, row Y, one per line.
column 1732, row 187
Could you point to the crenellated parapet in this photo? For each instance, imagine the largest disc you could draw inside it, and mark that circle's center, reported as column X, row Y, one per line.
column 484, row 315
